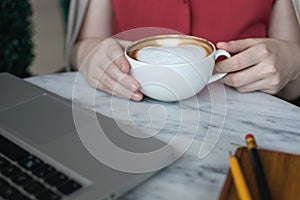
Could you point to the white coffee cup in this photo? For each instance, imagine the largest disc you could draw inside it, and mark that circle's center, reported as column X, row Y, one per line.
column 165, row 74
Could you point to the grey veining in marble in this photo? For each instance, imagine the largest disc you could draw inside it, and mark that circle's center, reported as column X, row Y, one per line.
column 218, row 113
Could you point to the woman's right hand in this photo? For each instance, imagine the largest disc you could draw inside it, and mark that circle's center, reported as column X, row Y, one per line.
column 104, row 65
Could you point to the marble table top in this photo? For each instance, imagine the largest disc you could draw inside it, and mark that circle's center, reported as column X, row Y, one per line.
column 214, row 122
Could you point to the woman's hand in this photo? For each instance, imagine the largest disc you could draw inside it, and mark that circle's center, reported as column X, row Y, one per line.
column 267, row 65
column 104, row 65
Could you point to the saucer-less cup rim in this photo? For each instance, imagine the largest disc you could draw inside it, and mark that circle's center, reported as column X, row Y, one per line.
column 187, row 37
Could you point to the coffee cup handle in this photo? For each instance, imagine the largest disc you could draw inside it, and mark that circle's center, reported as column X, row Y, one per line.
column 218, row 76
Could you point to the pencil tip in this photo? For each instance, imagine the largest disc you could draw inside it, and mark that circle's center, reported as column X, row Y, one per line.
column 249, row 135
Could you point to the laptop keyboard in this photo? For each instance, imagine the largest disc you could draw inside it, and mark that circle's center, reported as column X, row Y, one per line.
column 25, row 176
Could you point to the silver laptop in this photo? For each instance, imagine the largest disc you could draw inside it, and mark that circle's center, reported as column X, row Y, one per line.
column 42, row 156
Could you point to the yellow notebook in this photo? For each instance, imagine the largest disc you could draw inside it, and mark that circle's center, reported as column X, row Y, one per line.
column 282, row 171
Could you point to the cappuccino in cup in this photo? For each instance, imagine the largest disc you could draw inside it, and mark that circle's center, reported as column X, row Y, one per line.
column 173, row 67
column 170, row 51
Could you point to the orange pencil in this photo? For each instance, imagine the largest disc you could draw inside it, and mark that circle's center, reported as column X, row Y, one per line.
column 239, row 180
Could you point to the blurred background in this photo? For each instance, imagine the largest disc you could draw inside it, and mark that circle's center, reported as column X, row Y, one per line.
column 32, row 36
column 48, row 36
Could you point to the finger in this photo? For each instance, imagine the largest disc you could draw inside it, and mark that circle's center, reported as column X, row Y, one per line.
column 115, row 65
column 109, row 51
column 254, row 86
column 260, row 85
column 115, row 88
column 102, row 68
column 104, row 80
column 122, row 61
column 246, row 76
column 242, row 47
column 268, row 85
column 239, row 45
column 115, row 53
column 241, row 61
column 123, row 64
column 123, row 78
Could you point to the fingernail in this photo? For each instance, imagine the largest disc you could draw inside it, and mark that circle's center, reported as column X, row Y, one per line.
column 136, row 96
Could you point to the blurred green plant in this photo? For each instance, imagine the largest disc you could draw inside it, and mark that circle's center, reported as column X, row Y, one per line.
column 16, row 46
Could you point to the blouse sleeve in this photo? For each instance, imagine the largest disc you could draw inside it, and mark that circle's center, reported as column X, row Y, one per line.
column 297, row 9
column 76, row 14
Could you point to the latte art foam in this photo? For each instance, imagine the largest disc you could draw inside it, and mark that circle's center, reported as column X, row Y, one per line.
column 171, row 54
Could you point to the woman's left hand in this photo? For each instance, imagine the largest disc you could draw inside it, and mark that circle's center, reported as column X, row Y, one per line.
column 265, row 64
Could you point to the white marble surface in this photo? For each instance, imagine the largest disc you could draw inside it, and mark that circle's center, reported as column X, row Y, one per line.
column 217, row 112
